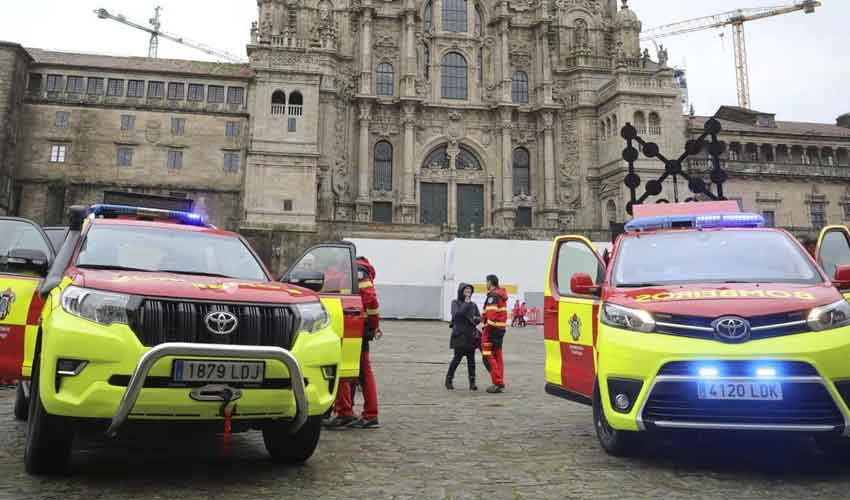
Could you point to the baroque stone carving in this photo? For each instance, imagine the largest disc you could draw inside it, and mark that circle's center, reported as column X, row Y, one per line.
column 521, row 55
column 590, row 5
column 385, row 47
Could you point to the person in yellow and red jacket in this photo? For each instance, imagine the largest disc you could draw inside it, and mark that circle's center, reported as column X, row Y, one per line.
column 495, row 320
column 344, row 405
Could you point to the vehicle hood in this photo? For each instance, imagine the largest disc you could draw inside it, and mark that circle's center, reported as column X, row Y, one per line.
column 711, row 300
column 182, row 286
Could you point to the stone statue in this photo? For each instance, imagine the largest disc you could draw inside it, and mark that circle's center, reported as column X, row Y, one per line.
column 581, row 34
column 645, row 57
column 662, row 56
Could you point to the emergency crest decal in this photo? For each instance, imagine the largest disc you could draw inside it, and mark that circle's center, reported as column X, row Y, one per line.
column 575, row 327
column 6, row 300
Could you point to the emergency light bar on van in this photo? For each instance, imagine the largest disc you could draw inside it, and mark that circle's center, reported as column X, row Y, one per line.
column 703, row 221
column 187, row 218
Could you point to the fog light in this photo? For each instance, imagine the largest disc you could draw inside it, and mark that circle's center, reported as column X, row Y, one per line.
column 621, row 401
column 70, row 367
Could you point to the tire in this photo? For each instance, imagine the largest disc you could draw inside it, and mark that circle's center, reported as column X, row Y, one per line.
column 835, row 447
column 287, row 448
column 49, row 437
column 21, row 402
column 615, row 442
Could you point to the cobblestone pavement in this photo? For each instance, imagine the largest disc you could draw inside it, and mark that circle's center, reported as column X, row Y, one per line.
column 436, row 444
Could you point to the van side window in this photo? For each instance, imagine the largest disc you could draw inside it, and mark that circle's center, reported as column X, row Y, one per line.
column 834, row 252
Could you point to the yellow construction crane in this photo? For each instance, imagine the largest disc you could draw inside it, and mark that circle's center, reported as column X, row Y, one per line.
column 156, row 32
column 736, row 19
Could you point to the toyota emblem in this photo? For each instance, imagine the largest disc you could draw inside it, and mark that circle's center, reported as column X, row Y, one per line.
column 221, row 322
column 731, row 328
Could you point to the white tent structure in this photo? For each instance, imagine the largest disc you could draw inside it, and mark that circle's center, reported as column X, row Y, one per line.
column 418, row 279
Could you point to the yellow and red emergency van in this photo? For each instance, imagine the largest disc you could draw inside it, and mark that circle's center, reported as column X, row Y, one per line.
column 154, row 317
column 701, row 319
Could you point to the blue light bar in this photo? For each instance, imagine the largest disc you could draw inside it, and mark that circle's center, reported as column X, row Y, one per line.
column 703, row 221
column 187, row 218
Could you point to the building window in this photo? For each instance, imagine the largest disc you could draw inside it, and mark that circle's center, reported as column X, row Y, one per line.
column 95, row 86
column 63, row 119
column 58, row 153
column 156, row 90
column 175, row 159
column 818, row 212
column 35, row 82
column 654, row 124
column 480, row 64
column 235, row 95
column 477, row 20
column 519, row 87
column 522, row 178
column 523, row 217
column 232, row 129
column 382, row 211
column 439, row 158
column 466, row 159
column 384, row 79
column 115, row 88
column 454, row 16
column 196, row 92
column 296, row 104
column 175, row 91
column 287, row 205
column 428, row 16
column 125, row 157
column 136, row 88
column 291, row 125
column 454, row 81
column 75, row 85
column 769, row 218
column 128, row 122
column 215, row 94
column 178, row 126
column 231, row 162
column 278, row 102
column 383, row 163
column 54, row 83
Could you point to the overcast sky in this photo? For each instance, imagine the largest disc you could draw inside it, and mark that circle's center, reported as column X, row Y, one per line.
column 799, row 64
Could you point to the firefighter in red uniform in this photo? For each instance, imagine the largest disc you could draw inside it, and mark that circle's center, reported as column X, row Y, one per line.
column 344, row 405
column 495, row 321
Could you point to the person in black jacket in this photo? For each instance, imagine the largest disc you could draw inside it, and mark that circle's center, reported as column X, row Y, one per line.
column 465, row 317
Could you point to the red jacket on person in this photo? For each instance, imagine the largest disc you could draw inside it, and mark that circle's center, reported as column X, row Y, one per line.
column 366, row 277
column 495, row 315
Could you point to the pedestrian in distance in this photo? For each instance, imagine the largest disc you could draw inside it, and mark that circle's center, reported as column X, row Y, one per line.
column 495, row 322
column 516, row 313
column 465, row 335
column 523, row 310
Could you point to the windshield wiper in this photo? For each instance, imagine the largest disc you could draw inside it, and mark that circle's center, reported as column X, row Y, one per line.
column 112, row 268
column 637, row 285
column 196, row 273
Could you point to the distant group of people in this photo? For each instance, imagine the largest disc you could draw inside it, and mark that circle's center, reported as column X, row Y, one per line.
column 518, row 314
column 466, row 338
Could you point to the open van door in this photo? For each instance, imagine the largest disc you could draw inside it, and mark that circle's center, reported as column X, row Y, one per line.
column 833, row 250
column 337, row 284
column 571, row 319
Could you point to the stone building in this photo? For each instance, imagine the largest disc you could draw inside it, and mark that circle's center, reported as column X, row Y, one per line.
column 379, row 118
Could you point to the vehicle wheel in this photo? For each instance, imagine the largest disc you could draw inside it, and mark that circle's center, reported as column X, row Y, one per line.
column 834, row 446
column 49, row 437
column 21, row 401
column 614, row 442
column 292, row 448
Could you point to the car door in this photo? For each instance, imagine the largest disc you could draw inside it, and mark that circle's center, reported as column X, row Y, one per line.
column 833, row 250
column 570, row 321
column 340, row 295
column 20, row 305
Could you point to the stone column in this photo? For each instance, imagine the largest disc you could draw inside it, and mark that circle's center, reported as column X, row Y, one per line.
column 506, row 60
column 408, row 202
column 366, row 52
column 451, row 215
column 547, row 121
column 409, row 86
column 507, row 208
column 363, row 186
column 547, row 64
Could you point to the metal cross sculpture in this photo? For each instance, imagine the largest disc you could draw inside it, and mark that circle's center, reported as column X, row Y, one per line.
column 673, row 168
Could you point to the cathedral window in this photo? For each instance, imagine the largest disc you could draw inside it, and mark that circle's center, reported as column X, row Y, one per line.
column 232, row 129
column 454, row 78
column 296, row 104
column 58, row 153
column 480, row 64
column 439, row 158
column 654, row 124
column 477, row 20
column 125, row 157
column 454, row 16
column 522, row 172
column 382, row 211
column 175, row 159
column 178, row 126
column 523, row 217
column 63, row 119
column 175, row 91
column 215, row 94
column 278, row 103
column 640, row 122
column 384, row 79
column 383, row 166
column 428, row 16
column 231, row 162
column 466, row 159
column 519, row 87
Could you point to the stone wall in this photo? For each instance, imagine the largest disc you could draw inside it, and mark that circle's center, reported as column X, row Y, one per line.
column 13, row 73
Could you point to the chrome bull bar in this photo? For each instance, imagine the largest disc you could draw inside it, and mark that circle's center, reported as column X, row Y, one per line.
column 149, row 359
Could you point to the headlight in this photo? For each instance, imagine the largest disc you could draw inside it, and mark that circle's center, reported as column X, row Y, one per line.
column 313, row 316
column 834, row 315
column 630, row 319
column 101, row 307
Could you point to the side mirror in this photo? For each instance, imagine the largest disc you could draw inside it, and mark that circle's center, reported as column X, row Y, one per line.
column 582, row 284
column 842, row 277
column 26, row 261
column 76, row 215
column 311, row 280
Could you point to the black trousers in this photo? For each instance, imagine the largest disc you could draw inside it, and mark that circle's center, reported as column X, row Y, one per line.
column 470, row 362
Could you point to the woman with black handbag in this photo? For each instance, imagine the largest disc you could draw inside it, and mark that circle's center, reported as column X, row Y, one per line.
column 465, row 318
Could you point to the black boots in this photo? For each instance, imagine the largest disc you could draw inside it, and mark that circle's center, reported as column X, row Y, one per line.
column 472, row 386
column 449, row 384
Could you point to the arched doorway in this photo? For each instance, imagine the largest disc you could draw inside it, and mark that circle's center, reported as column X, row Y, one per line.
column 452, row 189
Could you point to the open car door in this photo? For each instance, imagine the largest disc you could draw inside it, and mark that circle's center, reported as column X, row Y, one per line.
column 570, row 320
column 833, row 250
column 340, row 295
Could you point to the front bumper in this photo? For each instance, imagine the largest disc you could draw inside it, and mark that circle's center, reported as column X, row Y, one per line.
column 645, row 360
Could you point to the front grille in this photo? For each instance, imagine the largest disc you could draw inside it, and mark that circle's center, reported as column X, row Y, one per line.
column 802, row 404
column 739, row 368
column 157, row 321
column 763, row 327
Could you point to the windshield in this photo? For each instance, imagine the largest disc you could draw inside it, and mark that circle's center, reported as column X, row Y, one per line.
column 15, row 234
column 728, row 256
column 168, row 250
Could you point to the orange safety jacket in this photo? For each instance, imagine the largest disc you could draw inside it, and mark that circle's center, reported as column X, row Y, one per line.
column 496, row 309
column 366, row 276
